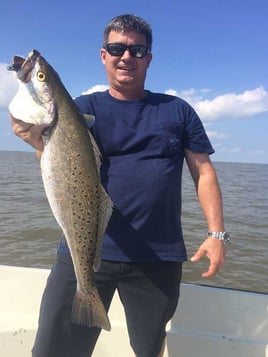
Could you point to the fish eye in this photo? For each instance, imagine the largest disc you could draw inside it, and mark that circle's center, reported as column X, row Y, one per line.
column 41, row 76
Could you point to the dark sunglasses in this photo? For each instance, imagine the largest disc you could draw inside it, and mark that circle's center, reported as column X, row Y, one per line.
column 117, row 49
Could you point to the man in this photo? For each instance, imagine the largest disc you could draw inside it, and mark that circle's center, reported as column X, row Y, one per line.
column 144, row 138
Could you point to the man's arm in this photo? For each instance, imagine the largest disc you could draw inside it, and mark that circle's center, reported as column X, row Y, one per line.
column 209, row 194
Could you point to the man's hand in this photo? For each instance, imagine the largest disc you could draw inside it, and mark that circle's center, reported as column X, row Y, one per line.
column 214, row 250
column 29, row 133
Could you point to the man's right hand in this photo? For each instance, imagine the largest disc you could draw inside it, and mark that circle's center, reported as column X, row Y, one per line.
column 29, row 133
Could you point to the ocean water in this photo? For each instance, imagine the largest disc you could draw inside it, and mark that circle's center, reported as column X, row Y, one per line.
column 29, row 234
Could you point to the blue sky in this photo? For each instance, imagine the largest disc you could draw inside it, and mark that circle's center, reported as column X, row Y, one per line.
column 213, row 53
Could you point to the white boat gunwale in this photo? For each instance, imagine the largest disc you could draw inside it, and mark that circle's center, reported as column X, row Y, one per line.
column 209, row 321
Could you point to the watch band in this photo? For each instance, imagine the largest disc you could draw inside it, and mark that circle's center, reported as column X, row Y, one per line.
column 224, row 236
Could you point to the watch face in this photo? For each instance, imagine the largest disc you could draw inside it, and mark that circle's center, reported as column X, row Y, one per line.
column 226, row 237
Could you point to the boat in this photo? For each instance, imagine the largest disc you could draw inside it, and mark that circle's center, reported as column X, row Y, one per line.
column 209, row 321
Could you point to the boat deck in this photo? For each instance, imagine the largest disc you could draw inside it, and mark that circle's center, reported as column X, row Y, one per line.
column 209, row 322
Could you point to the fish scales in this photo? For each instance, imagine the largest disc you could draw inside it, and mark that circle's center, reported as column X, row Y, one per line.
column 70, row 172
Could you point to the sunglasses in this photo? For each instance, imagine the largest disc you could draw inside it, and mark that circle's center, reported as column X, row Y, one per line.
column 117, row 49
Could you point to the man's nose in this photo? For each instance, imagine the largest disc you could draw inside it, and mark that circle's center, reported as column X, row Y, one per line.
column 126, row 54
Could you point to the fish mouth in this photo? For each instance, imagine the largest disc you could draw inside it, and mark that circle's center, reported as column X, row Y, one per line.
column 23, row 67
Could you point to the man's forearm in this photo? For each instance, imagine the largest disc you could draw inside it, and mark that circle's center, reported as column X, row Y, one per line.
column 210, row 198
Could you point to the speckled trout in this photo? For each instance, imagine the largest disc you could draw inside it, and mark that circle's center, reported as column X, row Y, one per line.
column 70, row 172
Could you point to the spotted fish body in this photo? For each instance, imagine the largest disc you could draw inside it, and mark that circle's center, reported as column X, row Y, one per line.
column 70, row 173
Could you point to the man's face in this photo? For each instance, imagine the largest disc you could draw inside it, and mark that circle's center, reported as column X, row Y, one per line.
column 126, row 73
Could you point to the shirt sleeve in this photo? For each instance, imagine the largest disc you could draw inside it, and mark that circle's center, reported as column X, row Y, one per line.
column 195, row 136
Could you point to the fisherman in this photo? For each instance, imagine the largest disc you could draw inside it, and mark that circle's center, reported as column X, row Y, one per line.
column 144, row 138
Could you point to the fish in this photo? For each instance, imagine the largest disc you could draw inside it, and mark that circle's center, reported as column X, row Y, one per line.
column 70, row 165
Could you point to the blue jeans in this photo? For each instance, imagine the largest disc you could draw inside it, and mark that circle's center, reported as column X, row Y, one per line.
column 149, row 293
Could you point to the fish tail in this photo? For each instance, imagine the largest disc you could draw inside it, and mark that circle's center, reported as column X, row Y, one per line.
column 88, row 310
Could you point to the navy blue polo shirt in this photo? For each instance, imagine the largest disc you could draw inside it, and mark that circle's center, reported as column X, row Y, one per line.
column 142, row 144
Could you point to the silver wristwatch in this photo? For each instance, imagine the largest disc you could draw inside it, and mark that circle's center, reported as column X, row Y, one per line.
column 224, row 236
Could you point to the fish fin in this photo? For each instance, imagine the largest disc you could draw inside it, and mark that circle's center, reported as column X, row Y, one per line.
column 105, row 213
column 97, row 258
column 105, row 210
column 96, row 151
column 88, row 310
column 89, row 119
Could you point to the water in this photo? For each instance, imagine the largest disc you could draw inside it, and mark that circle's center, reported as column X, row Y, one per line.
column 29, row 233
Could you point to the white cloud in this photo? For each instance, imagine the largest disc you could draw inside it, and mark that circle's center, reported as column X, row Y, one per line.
column 216, row 135
column 227, row 106
column 8, row 86
column 190, row 95
column 235, row 149
column 96, row 88
column 256, row 152
column 229, row 150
